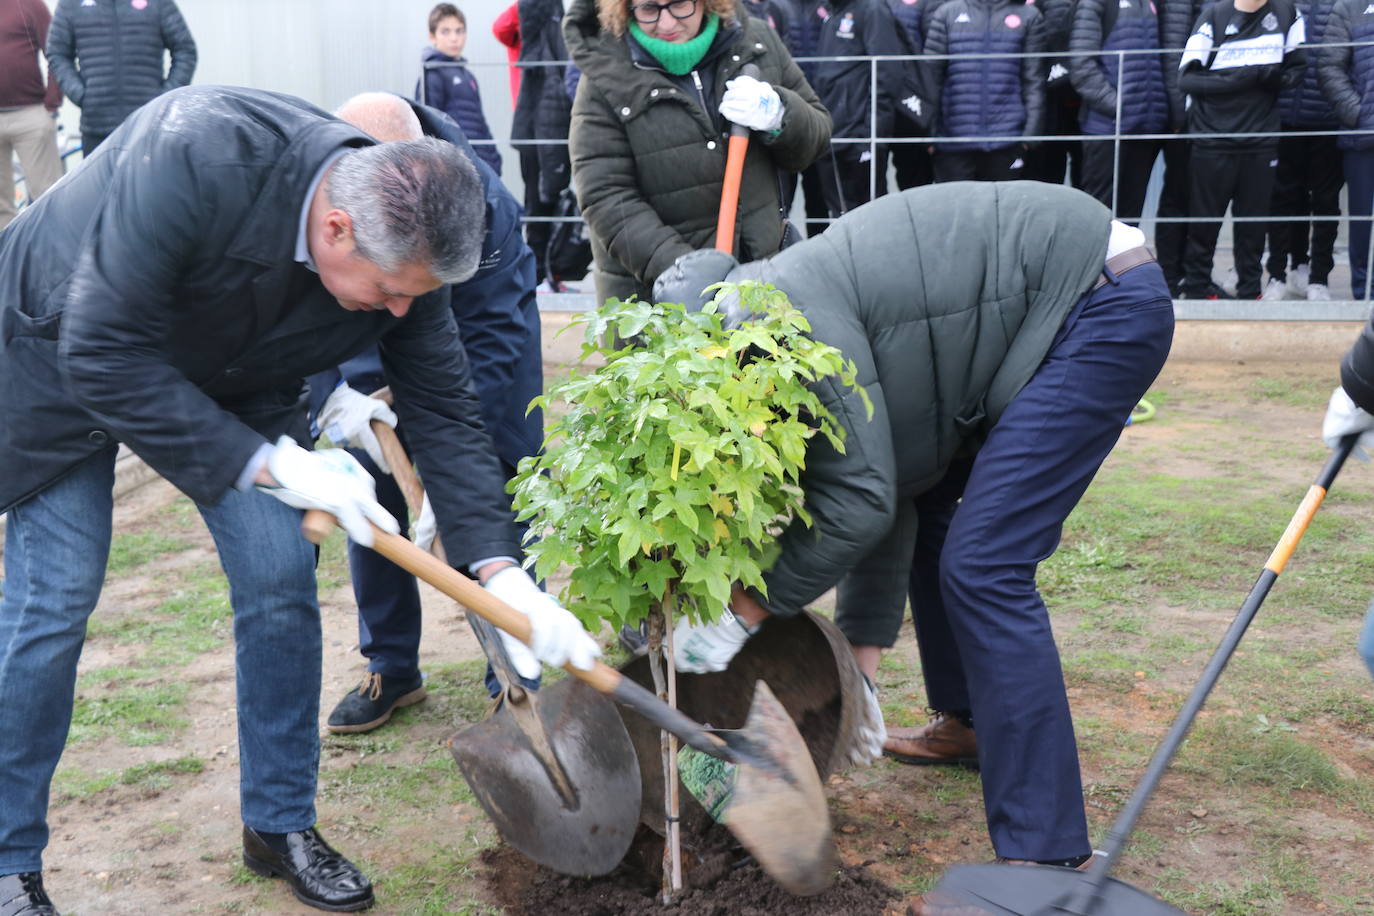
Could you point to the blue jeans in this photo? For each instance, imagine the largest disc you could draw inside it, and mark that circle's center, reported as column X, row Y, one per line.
column 1367, row 640
column 56, row 546
column 991, row 630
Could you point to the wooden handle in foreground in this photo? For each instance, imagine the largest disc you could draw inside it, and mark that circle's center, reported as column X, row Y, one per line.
column 460, row 588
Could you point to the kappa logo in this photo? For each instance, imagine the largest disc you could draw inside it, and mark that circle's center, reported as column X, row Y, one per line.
column 1273, row 163
column 1369, row 9
column 88, row 2
column 457, row 81
column 1125, row 4
column 962, row 17
column 913, row 104
column 1058, row 72
column 1205, row 29
column 1018, row 163
column 1232, row 29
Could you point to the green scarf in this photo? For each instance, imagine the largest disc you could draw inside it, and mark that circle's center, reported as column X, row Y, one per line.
column 679, row 58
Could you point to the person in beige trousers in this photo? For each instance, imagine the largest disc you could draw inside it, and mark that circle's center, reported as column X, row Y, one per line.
column 27, row 108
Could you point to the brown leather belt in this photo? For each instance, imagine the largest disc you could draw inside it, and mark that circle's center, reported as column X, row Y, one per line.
column 1129, row 259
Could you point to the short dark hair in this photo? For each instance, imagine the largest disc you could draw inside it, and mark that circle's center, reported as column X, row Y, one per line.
column 413, row 202
column 443, row 11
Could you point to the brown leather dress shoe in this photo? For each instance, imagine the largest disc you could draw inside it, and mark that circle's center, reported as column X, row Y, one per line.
column 943, row 741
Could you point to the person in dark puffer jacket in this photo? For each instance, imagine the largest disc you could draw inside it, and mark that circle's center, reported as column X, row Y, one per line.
column 651, row 124
column 1049, row 159
column 449, row 86
column 1118, row 25
column 1347, row 78
column 1308, row 182
column 542, row 112
column 1001, row 98
column 108, row 54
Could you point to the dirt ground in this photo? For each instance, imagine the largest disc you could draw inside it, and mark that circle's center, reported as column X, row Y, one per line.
column 170, row 845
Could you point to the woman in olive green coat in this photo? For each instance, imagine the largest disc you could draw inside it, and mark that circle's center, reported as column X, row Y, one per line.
column 660, row 89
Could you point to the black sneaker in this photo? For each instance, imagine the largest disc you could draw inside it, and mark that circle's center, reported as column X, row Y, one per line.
column 1210, row 291
column 372, row 702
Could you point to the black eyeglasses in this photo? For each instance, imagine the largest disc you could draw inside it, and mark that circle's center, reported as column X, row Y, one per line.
column 648, row 13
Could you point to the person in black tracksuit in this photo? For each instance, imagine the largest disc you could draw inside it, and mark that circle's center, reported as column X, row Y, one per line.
column 1001, row 97
column 1309, row 178
column 1049, row 159
column 914, row 109
column 1241, row 54
column 1118, row 25
column 1176, row 18
column 1347, row 78
column 850, row 28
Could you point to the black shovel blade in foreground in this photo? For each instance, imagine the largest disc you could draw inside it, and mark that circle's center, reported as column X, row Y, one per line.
column 588, row 837
column 1036, row 890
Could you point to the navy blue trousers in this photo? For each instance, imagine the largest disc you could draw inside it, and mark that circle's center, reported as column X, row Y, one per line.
column 1359, row 177
column 985, row 637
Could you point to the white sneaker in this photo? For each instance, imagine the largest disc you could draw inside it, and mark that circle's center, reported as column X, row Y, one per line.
column 1297, row 281
column 1275, row 291
column 1318, row 292
column 1228, row 280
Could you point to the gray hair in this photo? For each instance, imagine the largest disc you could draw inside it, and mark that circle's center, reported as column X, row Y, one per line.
column 413, row 202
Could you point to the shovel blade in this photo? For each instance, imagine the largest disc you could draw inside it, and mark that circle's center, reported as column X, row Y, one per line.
column 514, row 787
column 778, row 809
column 1036, row 890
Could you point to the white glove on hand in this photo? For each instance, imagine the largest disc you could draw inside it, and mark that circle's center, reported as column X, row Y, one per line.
column 871, row 733
column 706, row 647
column 332, row 480
column 557, row 637
column 752, row 103
column 1342, row 419
column 346, row 418
column 426, row 529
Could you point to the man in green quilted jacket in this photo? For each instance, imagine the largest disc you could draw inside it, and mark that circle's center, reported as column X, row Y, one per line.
column 1003, row 331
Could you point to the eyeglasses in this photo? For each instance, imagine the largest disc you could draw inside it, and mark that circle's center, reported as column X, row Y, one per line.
column 648, row 13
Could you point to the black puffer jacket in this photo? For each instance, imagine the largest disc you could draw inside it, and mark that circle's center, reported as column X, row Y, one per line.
column 648, row 148
column 108, row 55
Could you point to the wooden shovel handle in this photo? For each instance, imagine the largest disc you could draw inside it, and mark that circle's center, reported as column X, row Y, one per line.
column 436, row 572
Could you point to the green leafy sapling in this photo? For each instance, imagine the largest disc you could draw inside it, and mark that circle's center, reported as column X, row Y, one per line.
column 678, row 458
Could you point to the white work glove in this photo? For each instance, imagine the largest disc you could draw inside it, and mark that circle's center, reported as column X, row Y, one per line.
column 752, row 103
column 332, row 480
column 1342, row 419
column 557, row 637
column 705, row 647
column 425, row 527
column 871, row 733
column 346, row 418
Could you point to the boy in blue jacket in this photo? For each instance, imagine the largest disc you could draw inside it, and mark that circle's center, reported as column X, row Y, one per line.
column 449, row 86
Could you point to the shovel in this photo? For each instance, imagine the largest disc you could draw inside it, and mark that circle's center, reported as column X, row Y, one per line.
column 734, row 174
column 554, row 769
column 1040, row 890
column 778, row 808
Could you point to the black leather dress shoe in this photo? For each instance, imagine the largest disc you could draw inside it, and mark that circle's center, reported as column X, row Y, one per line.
column 318, row 875
column 23, row 895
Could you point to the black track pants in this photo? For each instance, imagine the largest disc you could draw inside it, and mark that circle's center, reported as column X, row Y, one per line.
column 1245, row 181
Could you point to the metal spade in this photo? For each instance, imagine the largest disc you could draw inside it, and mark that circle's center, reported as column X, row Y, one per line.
column 1039, row 890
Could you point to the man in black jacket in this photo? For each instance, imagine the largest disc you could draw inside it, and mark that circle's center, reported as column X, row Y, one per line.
column 171, row 294
column 107, row 54
column 1241, row 54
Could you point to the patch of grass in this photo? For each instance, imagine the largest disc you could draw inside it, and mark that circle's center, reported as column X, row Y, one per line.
column 460, row 685
column 195, row 618
column 135, row 714
column 1307, row 393
column 70, row 783
column 129, row 551
column 392, row 785
column 1236, row 751
column 432, row 885
column 1256, row 897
